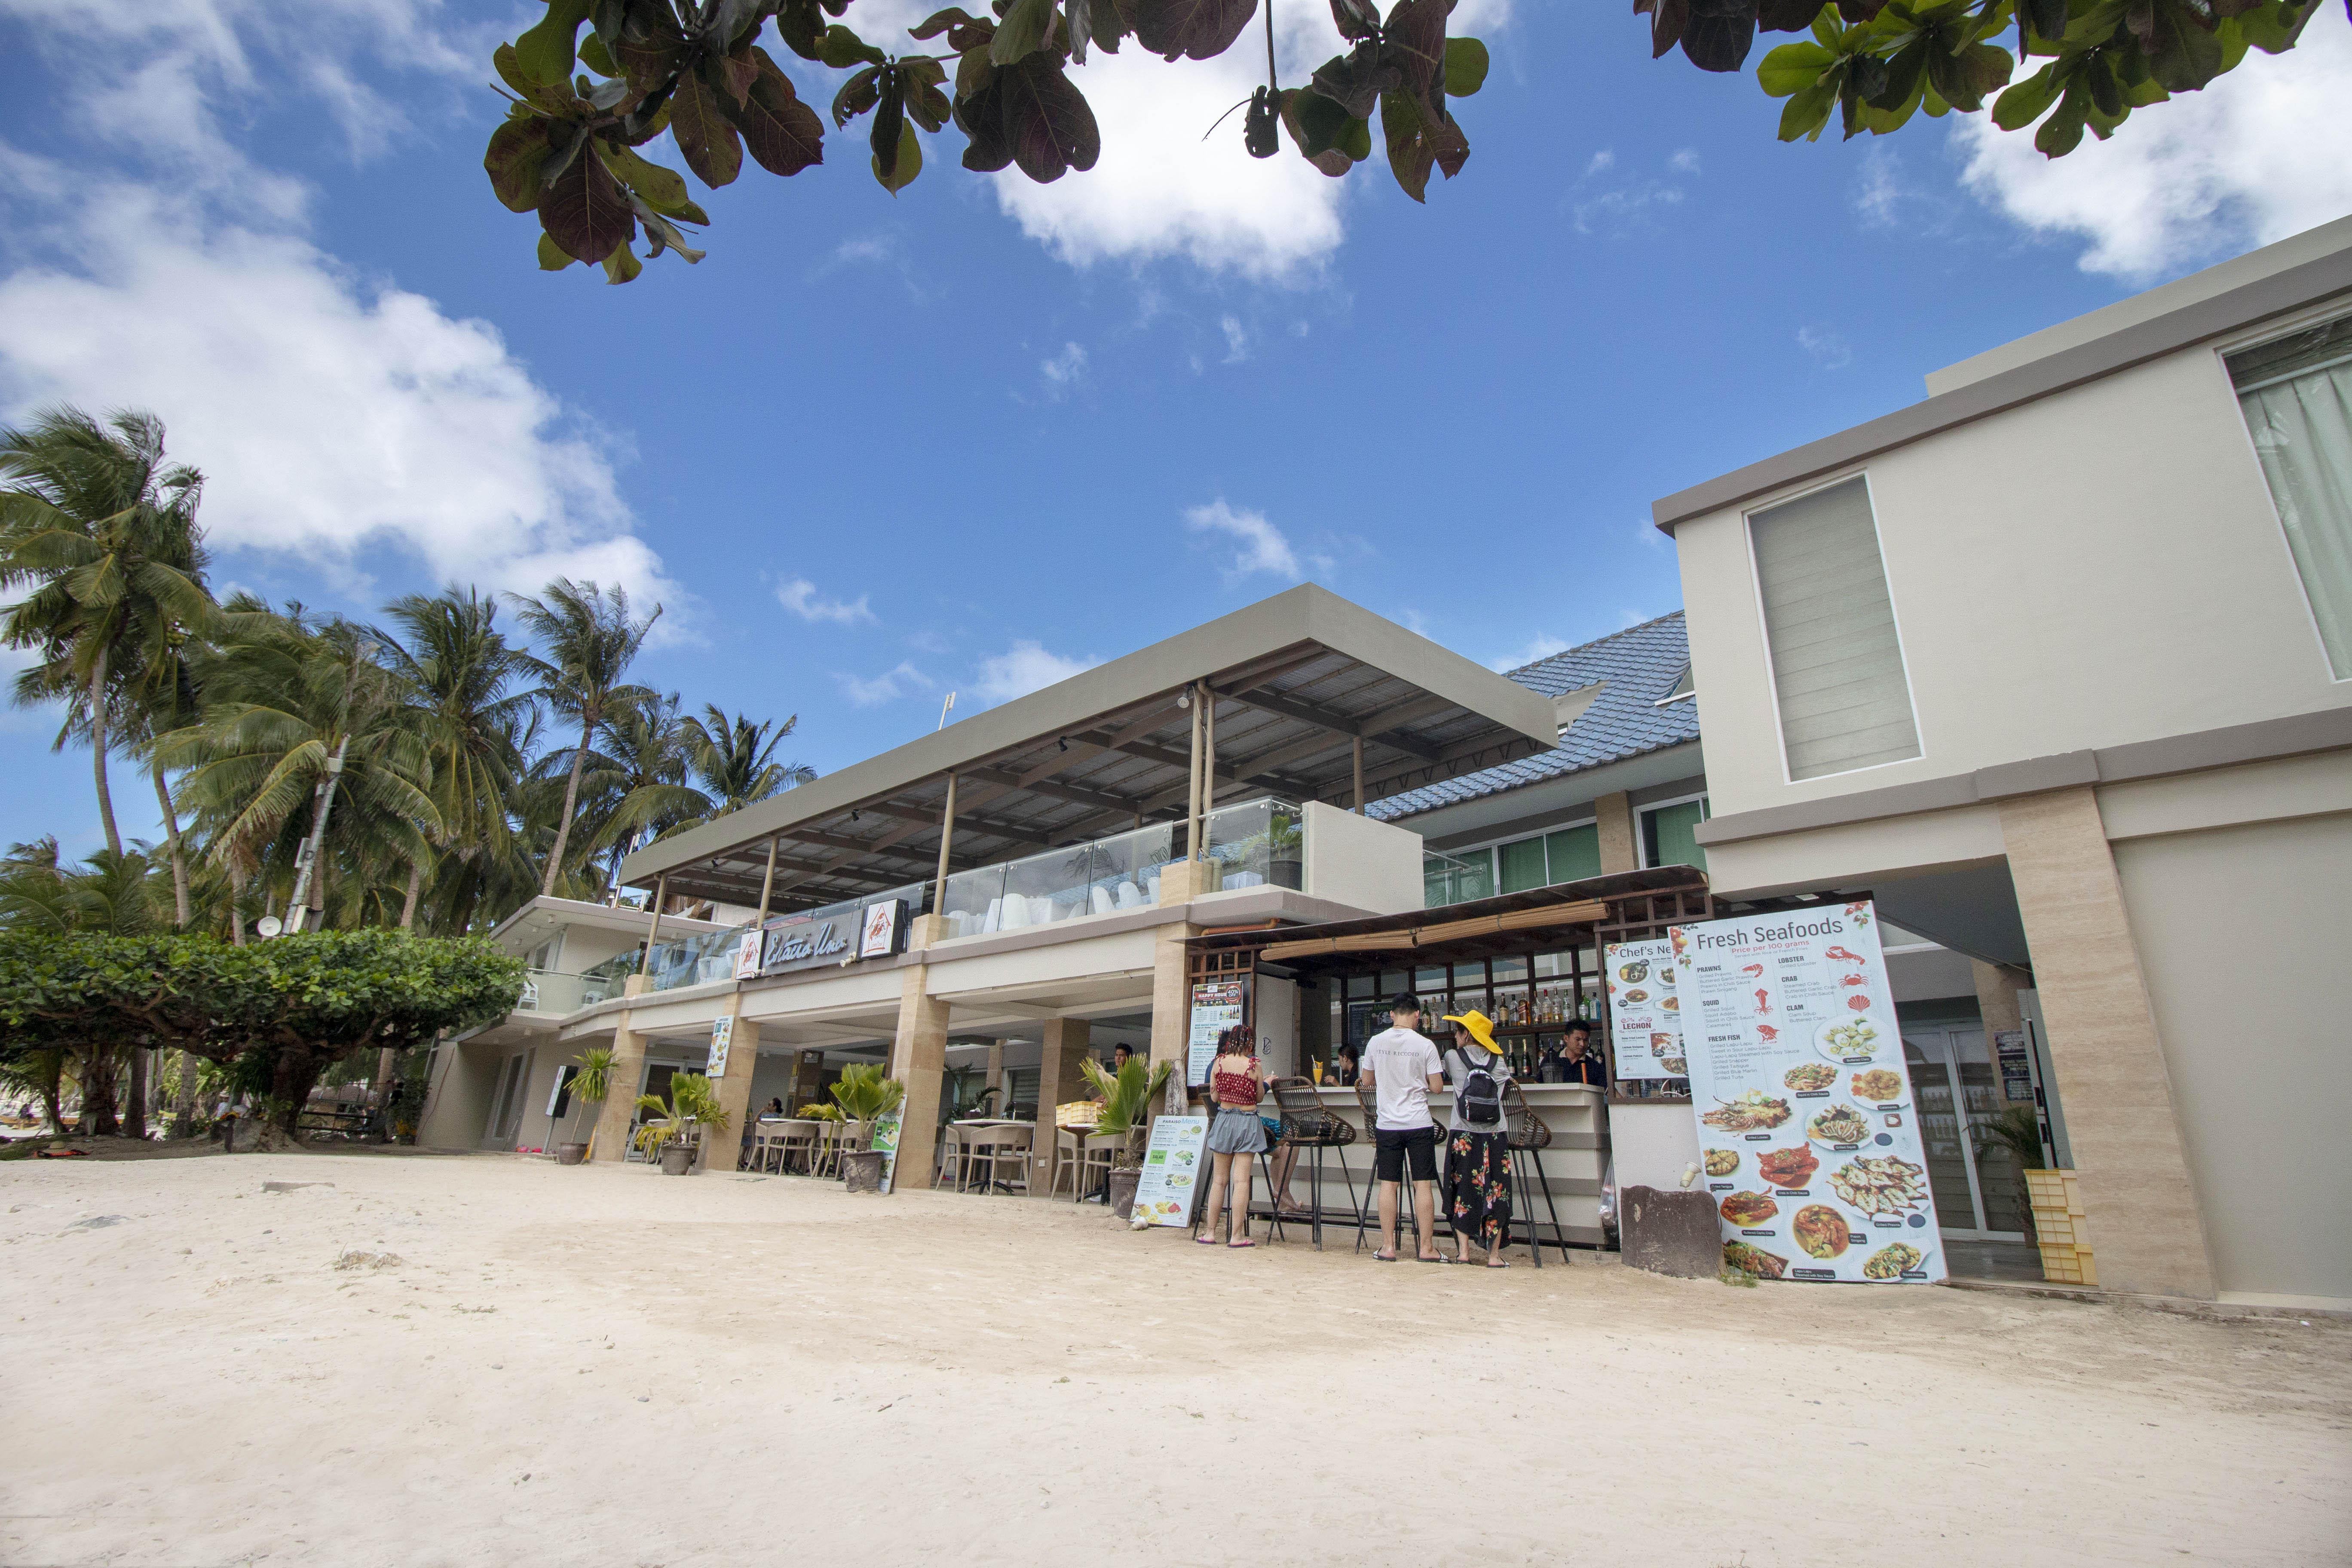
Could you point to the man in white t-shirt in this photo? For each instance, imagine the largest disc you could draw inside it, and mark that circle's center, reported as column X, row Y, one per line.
column 1402, row 1066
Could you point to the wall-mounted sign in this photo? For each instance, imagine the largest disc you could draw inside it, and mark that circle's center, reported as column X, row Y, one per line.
column 1217, row 1006
column 804, row 942
column 1646, row 1027
column 747, row 955
column 885, row 929
column 723, row 1036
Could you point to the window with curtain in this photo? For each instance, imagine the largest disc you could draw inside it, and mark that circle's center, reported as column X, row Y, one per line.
column 2296, row 393
column 1522, row 865
column 1573, row 854
column 1829, row 622
column 1670, row 834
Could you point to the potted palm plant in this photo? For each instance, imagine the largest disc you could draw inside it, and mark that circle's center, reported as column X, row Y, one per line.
column 1127, row 1096
column 590, row 1085
column 865, row 1094
column 674, row 1130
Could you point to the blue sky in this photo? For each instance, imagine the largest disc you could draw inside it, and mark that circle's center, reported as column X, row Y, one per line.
column 872, row 450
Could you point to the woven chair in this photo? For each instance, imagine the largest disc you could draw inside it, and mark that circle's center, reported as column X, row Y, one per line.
column 1530, row 1136
column 989, row 1150
column 1306, row 1124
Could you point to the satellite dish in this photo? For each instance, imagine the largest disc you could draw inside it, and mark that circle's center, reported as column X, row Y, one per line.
column 269, row 925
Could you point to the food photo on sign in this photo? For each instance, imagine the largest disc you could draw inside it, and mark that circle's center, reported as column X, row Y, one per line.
column 1644, row 1023
column 1802, row 1098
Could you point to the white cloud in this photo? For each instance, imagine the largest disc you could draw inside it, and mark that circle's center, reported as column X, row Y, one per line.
column 1626, row 205
column 1237, row 339
column 332, row 413
column 1543, row 644
column 887, row 687
column 1828, row 350
column 799, row 595
column 1601, row 163
column 1065, row 369
column 1160, row 190
column 1882, row 193
column 1024, row 668
column 2258, row 155
column 1263, row 546
column 1685, row 160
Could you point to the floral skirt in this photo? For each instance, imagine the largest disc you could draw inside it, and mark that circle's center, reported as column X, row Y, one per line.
column 1479, row 1186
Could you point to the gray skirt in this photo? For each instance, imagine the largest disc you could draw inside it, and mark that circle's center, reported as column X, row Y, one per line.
column 1236, row 1130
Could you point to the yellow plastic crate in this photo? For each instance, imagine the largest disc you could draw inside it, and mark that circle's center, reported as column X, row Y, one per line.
column 2060, row 1227
column 2069, row 1265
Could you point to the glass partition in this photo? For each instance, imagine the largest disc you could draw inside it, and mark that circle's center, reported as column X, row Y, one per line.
column 1097, row 878
column 1255, row 844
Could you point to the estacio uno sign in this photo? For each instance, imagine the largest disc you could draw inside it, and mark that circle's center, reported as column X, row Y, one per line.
column 806, row 942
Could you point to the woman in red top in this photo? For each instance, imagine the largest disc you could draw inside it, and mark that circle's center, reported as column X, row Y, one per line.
column 1237, row 1082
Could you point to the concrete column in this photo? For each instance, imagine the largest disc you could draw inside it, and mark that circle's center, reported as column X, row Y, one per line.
column 994, row 1076
column 2145, row 1228
column 1620, row 850
column 612, row 1135
column 1059, row 1078
column 734, row 1086
column 1997, row 987
column 918, row 1057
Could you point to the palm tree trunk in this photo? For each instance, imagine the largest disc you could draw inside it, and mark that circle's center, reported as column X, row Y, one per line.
column 571, row 801
column 415, row 887
column 97, row 750
column 134, row 1104
column 183, row 1104
column 180, row 908
column 97, row 1090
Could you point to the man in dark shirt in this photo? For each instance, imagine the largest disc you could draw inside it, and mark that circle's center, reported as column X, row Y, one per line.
column 1575, row 1061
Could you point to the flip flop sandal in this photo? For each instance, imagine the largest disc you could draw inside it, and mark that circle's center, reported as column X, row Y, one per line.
column 1439, row 1259
column 1204, row 1241
column 1384, row 1258
column 1246, row 1241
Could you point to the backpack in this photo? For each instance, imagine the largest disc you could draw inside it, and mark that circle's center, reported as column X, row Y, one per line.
column 1481, row 1097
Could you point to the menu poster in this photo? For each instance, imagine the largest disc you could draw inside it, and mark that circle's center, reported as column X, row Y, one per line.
column 1806, row 1128
column 1645, row 1024
column 884, row 1143
column 1171, row 1172
column 1216, row 1007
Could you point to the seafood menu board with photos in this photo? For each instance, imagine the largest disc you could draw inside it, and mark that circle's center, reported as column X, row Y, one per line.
column 1806, row 1128
column 1645, row 1020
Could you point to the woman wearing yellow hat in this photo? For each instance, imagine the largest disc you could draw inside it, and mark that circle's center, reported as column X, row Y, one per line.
column 1477, row 1141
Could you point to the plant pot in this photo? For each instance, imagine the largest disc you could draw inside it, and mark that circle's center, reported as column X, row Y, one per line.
column 861, row 1170
column 1123, row 1193
column 677, row 1160
column 571, row 1154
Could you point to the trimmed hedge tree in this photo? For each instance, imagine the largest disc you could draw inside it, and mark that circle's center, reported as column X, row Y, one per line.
column 297, row 1004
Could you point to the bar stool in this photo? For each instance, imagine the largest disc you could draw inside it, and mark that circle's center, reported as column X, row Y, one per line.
column 1530, row 1135
column 1367, row 1099
column 1306, row 1124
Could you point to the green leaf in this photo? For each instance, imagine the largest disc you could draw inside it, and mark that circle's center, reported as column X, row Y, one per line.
column 1316, row 127
column 2026, row 101
column 593, row 55
column 1465, row 66
column 544, row 52
column 1191, row 29
column 910, row 161
column 857, row 94
column 1409, row 159
column 1808, row 110
column 621, row 266
column 1021, row 32
column 2063, row 132
column 842, row 48
column 664, row 235
column 938, row 22
column 551, row 254
column 586, row 211
column 555, row 99
column 919, row 88
column 663, row 189
column 1048, row 123
column 517, row 155
column 1793, row 68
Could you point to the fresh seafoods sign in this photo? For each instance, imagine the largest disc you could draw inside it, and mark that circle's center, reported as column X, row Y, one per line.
column 1644, row 1016
column 1806, row 1128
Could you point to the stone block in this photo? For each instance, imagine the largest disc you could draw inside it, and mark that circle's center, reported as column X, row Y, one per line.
column 1671, row 1232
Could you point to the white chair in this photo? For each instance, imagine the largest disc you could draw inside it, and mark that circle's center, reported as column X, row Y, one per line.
column 989, row 1151
column 1128, row 896
column 1098, row 900
column 995, row 915
column 1016, row 912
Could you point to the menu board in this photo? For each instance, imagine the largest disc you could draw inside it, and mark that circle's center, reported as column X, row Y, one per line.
column 884, row 1143
column 1216, row 1007
column 1645, row 1017
column 1171, row 1172
column 1806, row 1128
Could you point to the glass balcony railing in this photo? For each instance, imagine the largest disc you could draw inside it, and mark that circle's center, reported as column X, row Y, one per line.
column 1252, row 844
column 696, row 960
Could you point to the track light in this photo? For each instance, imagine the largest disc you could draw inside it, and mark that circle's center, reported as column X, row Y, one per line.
column 1183, row 699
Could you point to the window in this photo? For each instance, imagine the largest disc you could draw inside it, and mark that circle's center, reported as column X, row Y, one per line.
column 1523, row 865
column 1573, row 854
column 1456, row 878
column 1670, row 834
column 2296, row 393
column 1458, row 875
column 1828, row 621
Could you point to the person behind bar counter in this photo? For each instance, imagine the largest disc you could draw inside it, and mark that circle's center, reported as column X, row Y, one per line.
column 1574, row 1061
column 1402, row 1067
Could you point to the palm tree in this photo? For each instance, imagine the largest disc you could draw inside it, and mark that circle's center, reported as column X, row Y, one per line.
column 635, row 786
column 105, row 536
column 589, row 640
column 457, row 667
column 734, row 760
column 291, row 710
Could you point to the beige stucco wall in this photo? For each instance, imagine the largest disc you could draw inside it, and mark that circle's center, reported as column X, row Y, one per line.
column 2097, row 567
column 1358, row 861
column 2242, row 932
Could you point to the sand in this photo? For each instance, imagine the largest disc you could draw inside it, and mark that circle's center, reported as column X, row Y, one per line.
column 533, row 1364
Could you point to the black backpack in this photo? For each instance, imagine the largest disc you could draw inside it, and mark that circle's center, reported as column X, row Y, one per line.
column 1481, row 1097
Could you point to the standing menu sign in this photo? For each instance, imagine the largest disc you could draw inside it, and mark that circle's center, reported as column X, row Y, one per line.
column 1807, row 1130
column 1172, row 1170
column 884, row 1143
column 1216, row 1007
column 1645, row 1018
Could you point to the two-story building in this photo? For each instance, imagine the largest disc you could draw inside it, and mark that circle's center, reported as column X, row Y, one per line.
column 2057, row 664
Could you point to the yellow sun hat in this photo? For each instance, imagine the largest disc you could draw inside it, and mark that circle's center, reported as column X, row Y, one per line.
column 1481, row 1027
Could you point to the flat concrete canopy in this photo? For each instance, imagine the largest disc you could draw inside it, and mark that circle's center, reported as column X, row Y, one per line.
column 1297, row 680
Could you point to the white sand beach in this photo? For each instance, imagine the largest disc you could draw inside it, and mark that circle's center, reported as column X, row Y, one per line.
column 606, row 1366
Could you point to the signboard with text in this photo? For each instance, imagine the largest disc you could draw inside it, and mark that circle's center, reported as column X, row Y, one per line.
column 1164, row 1193
column 1217, row 1006
column 1808, row 1132
column 722, row 1038
column 1644, row 1016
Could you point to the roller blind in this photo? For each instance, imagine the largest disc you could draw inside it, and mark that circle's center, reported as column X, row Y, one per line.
column 2298, row 397
column 1830, row 625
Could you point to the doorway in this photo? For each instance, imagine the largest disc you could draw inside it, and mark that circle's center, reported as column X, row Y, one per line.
column 506, row 1109
column 1979, row 1188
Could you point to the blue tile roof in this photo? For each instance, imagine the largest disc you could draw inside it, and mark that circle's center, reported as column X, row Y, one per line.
column 1639, row 666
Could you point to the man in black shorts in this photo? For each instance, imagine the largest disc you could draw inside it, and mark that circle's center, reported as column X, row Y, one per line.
column 1402, row 1066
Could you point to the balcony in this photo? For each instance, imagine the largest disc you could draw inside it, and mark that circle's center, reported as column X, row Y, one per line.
column 1252, row 844
column 554, row 993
